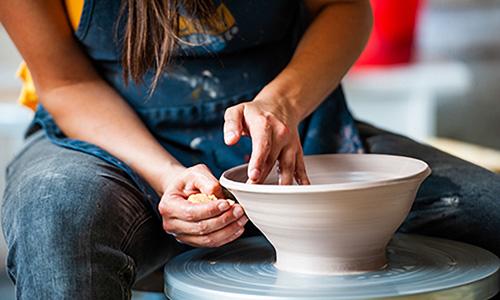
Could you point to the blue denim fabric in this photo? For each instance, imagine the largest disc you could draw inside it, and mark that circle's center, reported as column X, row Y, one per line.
column 185, row 112
column 459, row 201
column 76, row 226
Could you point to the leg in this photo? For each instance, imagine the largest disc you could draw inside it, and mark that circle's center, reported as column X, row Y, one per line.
column 76, row 227
column 459, row 201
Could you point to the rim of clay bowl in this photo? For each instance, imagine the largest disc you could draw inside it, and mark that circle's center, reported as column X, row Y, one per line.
column 422, row 172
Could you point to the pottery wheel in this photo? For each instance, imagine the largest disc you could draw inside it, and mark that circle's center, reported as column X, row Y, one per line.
column 419, row 268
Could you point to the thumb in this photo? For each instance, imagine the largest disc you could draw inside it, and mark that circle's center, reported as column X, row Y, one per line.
column 205, row 182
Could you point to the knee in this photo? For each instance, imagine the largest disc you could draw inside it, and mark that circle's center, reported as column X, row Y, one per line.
column 67, row 215
column 49, row 205
column 68, row 201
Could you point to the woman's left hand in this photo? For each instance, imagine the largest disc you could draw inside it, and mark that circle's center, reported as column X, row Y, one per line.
column 273, row 129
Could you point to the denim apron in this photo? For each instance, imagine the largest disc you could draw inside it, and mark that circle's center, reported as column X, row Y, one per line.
column 211, row 71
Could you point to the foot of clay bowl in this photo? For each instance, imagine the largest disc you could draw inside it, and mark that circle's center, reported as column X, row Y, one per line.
column 343, row 221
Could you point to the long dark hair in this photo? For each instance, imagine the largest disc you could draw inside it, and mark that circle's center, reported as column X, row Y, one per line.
column 151, row 32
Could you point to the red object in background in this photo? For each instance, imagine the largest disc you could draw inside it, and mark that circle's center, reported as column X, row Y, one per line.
column 393, row 33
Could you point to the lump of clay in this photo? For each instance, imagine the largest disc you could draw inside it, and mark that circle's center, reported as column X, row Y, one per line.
column 201, row 198
column 204, row 198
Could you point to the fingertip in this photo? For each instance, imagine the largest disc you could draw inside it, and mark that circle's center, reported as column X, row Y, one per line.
column 228, row 137
column 231, row 138
column 254, row 174
column 239, row 232
column 243, row 221
column 218, row 192
column 211, row 186
column 223, row 205
column 238, row 211
column 285, row 180
column 303, row 180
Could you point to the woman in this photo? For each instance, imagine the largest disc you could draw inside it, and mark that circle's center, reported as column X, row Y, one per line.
column 147, row 102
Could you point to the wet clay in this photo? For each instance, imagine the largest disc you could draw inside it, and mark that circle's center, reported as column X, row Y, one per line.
column 343, row 221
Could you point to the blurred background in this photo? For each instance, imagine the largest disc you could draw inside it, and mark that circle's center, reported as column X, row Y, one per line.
column 430, row 71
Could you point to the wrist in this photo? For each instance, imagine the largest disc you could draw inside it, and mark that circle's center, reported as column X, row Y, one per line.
column 169, row 170
column 285, row 106
column 286, row 92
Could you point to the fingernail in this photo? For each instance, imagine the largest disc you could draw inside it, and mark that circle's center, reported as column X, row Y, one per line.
column 239, row 231
column 237, row 212
column 242, row 221
column 254, row 174
column 223, row 205
column 229, row 136
column 231, row 202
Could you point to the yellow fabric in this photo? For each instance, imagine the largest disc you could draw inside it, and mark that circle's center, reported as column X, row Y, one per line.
column 224, row 20
column 28, row 96
column 74, row 10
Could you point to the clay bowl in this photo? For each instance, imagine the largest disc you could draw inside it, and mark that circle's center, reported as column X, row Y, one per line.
column 343, row 221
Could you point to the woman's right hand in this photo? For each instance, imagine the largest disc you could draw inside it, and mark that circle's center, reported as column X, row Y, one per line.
column 210, row 224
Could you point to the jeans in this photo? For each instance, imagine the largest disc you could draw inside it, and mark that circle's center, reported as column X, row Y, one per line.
column 78, row 228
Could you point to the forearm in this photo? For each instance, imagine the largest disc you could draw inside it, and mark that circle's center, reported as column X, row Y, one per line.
column 327, row 50
column 96, row 114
